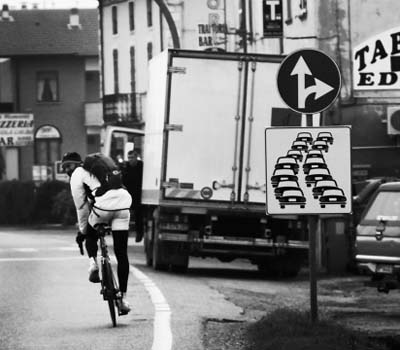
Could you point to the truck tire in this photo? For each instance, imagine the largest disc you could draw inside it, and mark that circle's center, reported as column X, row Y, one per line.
column 148, row 243
column 180, row 263
column 159, row 260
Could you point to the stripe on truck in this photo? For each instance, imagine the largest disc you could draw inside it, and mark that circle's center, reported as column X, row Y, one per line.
column 182, row 193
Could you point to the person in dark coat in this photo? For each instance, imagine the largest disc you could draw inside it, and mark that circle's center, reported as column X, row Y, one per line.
column 132, row 178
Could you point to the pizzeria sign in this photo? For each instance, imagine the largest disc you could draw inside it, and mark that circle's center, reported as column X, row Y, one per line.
column 16, row 129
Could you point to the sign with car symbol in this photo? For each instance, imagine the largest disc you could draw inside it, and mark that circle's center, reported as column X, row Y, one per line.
column 308, row 170
column 308, row 81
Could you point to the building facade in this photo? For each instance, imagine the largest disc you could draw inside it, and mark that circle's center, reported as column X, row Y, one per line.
column 49, row 68
column 136, row 30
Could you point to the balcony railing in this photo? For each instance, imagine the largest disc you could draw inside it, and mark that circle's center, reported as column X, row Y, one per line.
column 123, row 108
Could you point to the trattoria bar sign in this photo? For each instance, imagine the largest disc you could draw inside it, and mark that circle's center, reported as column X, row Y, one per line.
column 376, row 62
column 16, row 129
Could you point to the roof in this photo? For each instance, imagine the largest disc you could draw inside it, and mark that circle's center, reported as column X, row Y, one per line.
column 390, row 186
column 46, row 32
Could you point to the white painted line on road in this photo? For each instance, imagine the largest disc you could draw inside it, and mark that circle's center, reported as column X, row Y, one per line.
column 42, row 259
column 25, row 250
column 162, row 335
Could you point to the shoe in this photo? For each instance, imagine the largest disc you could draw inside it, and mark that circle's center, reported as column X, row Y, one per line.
column 124, row 307
column 94, row 276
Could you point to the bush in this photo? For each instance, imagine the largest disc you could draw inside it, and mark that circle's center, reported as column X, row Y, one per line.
column 23, row 203
column 45, row 199
column 16, row 202
column 64, row 209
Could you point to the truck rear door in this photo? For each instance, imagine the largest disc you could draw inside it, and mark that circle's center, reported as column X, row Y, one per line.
column 262, row 96
column 204, row 123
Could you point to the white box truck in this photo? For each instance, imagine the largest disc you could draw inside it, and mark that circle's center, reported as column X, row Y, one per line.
column 204, row 189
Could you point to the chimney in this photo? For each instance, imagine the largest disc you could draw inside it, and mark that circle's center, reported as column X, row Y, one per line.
column 5, row 14
column 74, row 19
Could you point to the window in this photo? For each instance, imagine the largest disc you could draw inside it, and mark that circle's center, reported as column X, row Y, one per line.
column 132, row 16
column 149, row 51
column 47, row 151
column 114, row 15
column 386, row 203
column 149, row 13
column 115, row 65
column 133, row 71
column 92, row 86
column 47, row 87
column 47, row 145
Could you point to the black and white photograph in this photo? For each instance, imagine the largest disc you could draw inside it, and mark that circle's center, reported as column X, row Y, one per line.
column 199, row 174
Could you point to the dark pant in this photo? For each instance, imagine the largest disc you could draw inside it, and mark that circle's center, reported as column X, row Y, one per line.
column 138, row 217
column 120, row 239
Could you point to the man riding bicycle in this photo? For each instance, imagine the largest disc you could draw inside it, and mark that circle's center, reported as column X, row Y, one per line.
column 95, row 204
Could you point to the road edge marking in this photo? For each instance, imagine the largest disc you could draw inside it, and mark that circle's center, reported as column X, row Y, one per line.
column 162, row 334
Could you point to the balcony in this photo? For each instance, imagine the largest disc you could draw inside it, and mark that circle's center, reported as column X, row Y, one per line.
column 93, row 114
column 124, row 109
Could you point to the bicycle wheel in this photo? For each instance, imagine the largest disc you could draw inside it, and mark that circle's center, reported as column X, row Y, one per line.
column 109, row 290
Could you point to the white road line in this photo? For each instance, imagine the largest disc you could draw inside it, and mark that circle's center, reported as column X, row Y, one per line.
column 25, row 250
column 42, row 259
column 162, row 335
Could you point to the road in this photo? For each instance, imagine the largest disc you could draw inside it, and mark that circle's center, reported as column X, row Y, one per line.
column 46, row 301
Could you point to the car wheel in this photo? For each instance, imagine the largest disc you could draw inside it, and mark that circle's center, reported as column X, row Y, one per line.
column 322, row 205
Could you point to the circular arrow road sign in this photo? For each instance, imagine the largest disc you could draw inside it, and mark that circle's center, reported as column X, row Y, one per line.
column 308, row 81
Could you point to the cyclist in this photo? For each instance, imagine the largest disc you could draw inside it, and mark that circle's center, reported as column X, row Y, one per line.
column 109, row 207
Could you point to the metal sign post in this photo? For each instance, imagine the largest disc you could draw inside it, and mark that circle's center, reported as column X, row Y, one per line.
column 312, row 236
column 309, row 82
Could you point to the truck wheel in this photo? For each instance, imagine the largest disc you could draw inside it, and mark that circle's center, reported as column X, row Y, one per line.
column 148, row 243
column 158, row 252
column 180, row 264
column 159, row 261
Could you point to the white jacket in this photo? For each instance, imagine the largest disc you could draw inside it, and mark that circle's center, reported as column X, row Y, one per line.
column 112, row 200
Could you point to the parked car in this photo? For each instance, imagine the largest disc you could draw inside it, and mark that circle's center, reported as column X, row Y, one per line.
column 284, row 186
column 333, row 196
column 292, row 197
column 287, row 163
column 377, row 246
column 281, row 175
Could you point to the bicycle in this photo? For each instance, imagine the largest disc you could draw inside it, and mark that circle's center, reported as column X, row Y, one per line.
column 109, row 285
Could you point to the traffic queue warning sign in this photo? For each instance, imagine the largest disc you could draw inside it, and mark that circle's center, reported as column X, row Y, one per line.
column 308, row 170
column 308, row 81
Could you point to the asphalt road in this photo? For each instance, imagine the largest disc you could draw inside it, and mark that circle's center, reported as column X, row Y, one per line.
column 46, row 301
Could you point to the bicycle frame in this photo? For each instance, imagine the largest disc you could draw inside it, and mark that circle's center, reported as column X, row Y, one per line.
column 109, row 285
